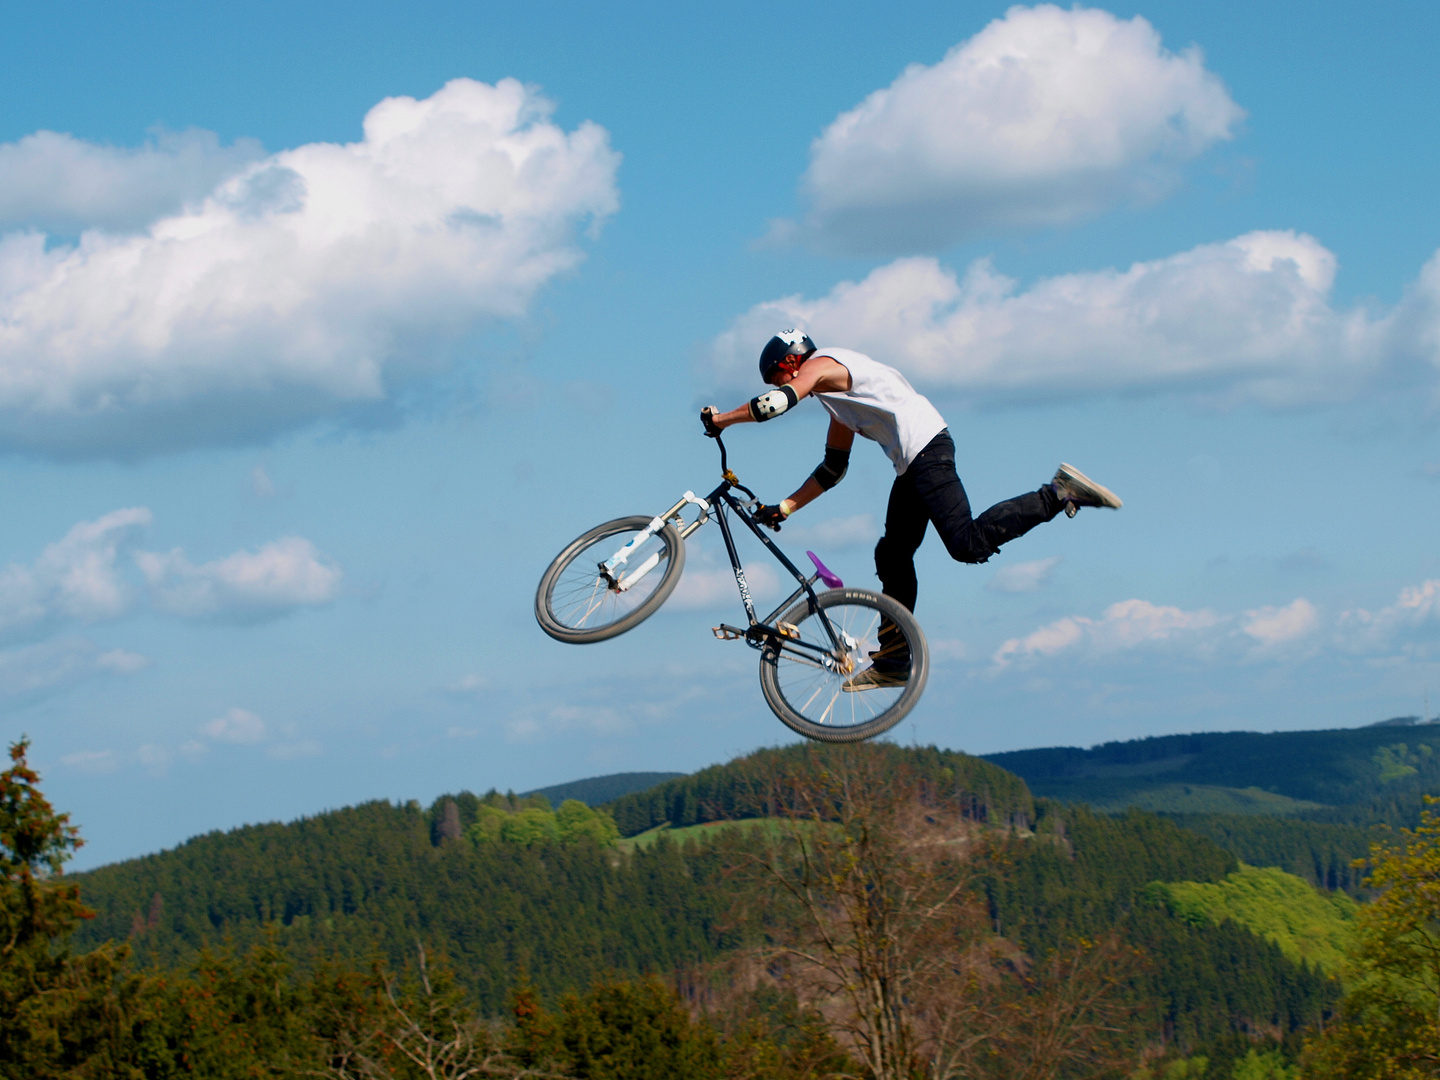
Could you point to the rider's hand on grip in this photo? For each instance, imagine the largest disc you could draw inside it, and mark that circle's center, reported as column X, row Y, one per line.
column 771, row 516
column 707, row 417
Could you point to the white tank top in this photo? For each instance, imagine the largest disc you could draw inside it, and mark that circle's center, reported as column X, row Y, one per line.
column 881, row 405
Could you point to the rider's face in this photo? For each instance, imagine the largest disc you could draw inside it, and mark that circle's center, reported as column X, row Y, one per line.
column 787, row 370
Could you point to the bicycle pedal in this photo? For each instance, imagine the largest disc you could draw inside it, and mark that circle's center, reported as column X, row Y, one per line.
column 727, row 633
column 789, row 630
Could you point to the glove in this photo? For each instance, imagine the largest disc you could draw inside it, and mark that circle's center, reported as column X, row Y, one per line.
column 770, row 516
column 707, row 418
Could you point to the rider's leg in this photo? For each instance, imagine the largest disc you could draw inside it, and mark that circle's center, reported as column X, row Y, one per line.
column 906, row 518
column 971, row 539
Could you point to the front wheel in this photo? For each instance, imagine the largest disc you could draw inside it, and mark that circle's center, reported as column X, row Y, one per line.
column 579, row 602
column 811, row 685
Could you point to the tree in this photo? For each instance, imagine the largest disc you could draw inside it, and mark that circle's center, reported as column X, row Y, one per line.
column 53, row 1006
column 423, row 1028
column 1390, row 1021
column 449, row 826
column 872, row 918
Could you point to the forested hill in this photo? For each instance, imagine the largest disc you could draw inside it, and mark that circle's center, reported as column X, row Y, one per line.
column 738, row 790
column 503, row 885
column 376, row 877
column 598, row 790
column 1355, row 775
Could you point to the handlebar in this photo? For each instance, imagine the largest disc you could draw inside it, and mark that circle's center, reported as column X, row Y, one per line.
column 730, row 477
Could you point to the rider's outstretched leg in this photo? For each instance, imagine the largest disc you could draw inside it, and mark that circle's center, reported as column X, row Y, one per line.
column 969, row 539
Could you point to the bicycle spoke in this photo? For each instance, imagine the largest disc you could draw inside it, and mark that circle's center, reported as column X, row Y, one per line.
column 582, row 598
column 819, row 694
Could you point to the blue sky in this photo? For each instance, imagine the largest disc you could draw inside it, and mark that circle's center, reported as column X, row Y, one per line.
column 322, row 329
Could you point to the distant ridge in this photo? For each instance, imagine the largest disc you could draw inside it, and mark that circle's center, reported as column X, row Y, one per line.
column 603, row 789
column 1282, row 773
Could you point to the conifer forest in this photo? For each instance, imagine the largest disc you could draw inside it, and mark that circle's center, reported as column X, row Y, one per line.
column 1222, row 906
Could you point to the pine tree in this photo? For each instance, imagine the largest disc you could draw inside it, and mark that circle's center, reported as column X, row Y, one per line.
column 51, row 1002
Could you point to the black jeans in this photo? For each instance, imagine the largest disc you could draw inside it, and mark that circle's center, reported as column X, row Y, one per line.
column 930, row 491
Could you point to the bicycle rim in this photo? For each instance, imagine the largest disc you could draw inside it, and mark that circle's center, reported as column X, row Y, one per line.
column 809, row 695
column 577, row 603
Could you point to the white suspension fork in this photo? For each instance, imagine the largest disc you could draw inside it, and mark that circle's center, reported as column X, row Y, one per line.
column 614, row 566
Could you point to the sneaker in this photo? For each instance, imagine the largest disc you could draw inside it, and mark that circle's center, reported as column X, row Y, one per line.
column 875, row 679
column 1075, row 490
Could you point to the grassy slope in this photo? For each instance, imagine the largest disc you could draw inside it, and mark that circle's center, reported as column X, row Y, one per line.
column 696, row 834
column 1324, row 854
column 1308, row 926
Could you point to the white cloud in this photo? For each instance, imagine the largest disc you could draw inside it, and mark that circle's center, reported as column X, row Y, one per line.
column 1414, row 615
column 80, row 578
column 73, row 578
column 51, row 665
column 1026, row 577
column 57, row 183
column 1249, row 319
column 310, row 284
column 236, row 726
column 705, row 584
column 280, row 577
column 1272, row 626
column 1408, row 628
column 1044, row 117
column 1127, row 625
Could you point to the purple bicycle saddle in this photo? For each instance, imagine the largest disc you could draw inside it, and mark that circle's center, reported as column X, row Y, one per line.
column 827, row 575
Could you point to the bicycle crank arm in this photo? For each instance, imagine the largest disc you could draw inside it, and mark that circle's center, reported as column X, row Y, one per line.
column 786, row 638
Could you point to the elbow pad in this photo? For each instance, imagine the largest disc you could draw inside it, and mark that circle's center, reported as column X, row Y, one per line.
column 832, row 470
column 768, row 406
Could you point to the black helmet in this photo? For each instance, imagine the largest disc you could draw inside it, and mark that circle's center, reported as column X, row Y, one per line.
column 786, row 343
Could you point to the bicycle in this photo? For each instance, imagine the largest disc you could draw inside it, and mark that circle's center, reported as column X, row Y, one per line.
column 612, row 578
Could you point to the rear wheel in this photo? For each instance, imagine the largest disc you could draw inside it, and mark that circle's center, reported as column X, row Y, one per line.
column 806, row 687
column 578, row 603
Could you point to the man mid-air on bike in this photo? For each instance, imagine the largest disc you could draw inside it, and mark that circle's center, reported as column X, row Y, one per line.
column 869, row 398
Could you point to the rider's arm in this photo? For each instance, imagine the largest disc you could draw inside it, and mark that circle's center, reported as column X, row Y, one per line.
column 838, row 438
column 820, row 373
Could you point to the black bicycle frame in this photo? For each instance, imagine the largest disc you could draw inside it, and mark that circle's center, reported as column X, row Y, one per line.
column 763, row 632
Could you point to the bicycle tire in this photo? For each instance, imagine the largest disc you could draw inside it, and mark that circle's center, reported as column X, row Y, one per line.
column 810, row 700
column 602, row 614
